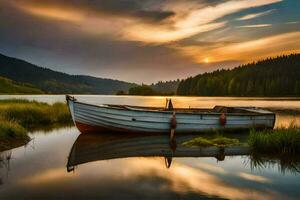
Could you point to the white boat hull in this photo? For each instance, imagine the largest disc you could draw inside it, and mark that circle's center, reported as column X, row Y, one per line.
column 93, row 118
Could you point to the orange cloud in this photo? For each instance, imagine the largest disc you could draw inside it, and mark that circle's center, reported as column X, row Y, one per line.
column 247, row 51
column 54, row 13
column 195, row 21
column 254, row 178
column 186, row 21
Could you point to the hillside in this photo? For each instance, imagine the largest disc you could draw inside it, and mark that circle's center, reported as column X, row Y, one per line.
column 8, row 86
column 271, row 77
column 57, row 82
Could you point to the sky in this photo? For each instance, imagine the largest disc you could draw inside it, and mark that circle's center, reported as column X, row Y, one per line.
column 150, row 40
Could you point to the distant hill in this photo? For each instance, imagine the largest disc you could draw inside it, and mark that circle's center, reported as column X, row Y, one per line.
column 55, row 82
column 270, row 77
column 8, row 86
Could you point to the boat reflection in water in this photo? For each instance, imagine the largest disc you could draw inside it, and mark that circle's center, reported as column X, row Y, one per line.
column 105, row 146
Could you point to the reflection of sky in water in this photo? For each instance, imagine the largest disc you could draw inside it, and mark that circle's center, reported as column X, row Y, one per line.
column 39, row 170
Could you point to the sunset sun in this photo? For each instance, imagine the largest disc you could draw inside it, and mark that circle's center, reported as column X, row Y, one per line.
column 206, row 60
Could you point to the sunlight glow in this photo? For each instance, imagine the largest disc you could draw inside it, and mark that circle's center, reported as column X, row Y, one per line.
column 247, row 51
column 55, row 13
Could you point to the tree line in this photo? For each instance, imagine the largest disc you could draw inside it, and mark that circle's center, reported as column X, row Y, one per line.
column 278, row 76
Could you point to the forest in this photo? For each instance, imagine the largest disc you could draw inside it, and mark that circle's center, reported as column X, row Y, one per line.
column 278, row 76
column 147, row 90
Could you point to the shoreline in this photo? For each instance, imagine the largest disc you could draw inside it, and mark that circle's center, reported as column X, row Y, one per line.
column 12, row 144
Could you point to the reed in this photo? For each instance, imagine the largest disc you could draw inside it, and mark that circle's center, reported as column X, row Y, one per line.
column 283, row 141
column 12, row 130
column 17, row 116
column 12, row 135
column 32, row 113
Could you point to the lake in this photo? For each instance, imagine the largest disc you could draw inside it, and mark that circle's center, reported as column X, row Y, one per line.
column 62, row 163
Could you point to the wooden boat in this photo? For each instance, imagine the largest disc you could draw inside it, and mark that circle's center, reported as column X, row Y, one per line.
column 96, row 147
column 125, row 118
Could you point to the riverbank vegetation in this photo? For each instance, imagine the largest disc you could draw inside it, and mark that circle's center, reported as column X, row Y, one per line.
column 12, row 135
column 18, row 117
column 274, row 144
column 279, row 141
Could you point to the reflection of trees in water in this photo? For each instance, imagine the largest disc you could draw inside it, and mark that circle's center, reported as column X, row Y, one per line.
column 1, row 165
column 283, row 163
column 4, row 163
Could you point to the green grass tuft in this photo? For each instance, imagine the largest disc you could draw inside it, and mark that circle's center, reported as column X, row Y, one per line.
column 17, row 116
column 278, row 141
column 219, row 141
column 12, row 130
column 32, row 113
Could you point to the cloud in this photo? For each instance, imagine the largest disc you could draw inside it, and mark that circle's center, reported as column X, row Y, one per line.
column 246, row 51
column 254, row 178
column 295, row 22
column 124, row 8
column 195, row 21
column 55, row 13
column 132, row 17
column 256, row 26
column 255, row 15
column 151, row 34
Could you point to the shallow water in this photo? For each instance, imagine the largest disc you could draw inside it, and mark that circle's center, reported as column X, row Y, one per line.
column 134, row 167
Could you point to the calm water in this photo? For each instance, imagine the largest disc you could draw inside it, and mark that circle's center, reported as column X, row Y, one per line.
column 134, row 167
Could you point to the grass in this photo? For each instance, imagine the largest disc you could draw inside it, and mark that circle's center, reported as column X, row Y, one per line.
column 279, row 141
column 12, row 135
column 10, row 129
column 30, row 114
column 217, row 141
column 18, row 116
column 8, row 86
